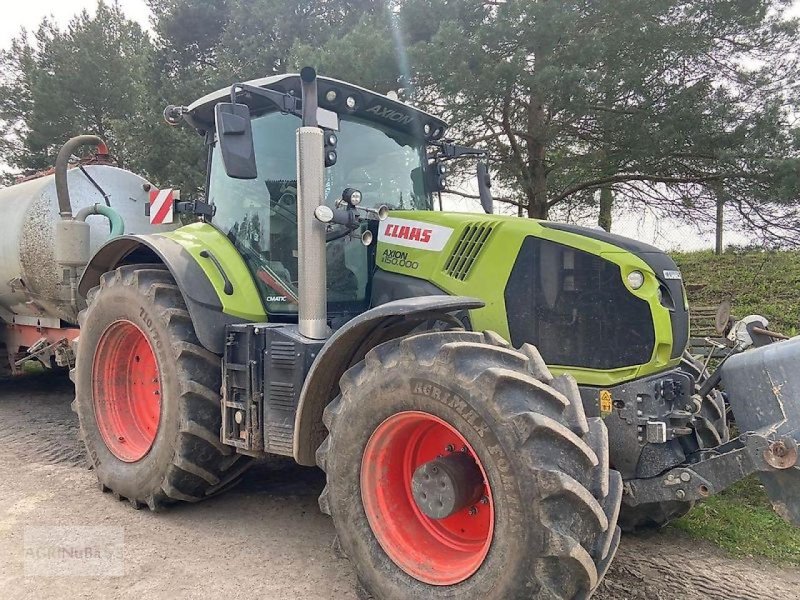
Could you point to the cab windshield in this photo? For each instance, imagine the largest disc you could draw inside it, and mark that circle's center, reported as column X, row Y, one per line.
column 260, row 215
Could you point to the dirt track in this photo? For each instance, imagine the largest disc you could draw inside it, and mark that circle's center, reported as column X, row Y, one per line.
column 264, row 539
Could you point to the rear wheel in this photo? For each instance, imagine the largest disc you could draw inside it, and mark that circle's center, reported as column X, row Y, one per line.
column 709, row 429
column 147, row 393
column 457, row 466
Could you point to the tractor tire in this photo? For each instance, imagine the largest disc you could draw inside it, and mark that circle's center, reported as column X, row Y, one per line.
column 710, row 429
column 5, row 362
column 542, row 521
column 147, row 394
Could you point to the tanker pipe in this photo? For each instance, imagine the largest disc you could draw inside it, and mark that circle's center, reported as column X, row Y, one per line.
column 117, row 224
column 62, row 189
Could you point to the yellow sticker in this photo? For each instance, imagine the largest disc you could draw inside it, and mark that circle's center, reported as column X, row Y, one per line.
column 606, row 404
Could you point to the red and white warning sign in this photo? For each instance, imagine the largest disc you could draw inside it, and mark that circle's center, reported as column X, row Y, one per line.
column 162, row 203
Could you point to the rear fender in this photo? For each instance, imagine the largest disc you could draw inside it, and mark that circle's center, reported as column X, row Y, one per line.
column 348, row 346
column 205, row 300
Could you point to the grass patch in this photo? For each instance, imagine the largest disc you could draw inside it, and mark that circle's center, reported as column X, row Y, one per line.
column 741, row 521
column 763, row 283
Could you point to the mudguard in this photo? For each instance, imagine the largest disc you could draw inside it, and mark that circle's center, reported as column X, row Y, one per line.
column 349, row 345
column 202, row 299
column 763, row 388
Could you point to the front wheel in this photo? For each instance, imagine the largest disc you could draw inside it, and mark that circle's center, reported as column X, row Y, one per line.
column 147, row 393
column 458, row 467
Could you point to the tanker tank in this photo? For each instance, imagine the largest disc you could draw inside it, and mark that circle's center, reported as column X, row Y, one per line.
column 32, row 283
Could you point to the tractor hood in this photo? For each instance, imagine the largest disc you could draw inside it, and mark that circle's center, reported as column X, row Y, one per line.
column 565, row 289
column 334, row 95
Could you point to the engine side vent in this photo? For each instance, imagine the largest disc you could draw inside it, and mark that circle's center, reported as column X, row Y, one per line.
column 466, row 252
column 282, row 353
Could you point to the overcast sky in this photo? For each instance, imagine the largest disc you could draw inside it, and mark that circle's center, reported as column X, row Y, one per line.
column 29, row 13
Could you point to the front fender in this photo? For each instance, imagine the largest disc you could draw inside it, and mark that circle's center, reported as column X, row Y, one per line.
column 349, row 345
column 209, row 302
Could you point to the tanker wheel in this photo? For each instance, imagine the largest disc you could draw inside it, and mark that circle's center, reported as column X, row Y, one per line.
column 459, row 467
column 147, row 393
column 710, row 429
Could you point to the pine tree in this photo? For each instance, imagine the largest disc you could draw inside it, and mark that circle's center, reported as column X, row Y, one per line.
column 87, row 78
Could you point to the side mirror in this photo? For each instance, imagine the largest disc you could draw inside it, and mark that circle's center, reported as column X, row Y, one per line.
column 484, row 188
column 235, row 139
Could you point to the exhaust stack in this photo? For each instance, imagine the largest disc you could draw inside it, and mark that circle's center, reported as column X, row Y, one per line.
column 312, row 285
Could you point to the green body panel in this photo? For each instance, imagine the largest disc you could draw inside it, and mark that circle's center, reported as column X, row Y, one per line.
column 486, row 279
column 245, row 301
column 491, row 270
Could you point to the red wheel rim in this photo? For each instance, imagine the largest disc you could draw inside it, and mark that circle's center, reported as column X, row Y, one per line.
column 126, row 389
column 436, row 551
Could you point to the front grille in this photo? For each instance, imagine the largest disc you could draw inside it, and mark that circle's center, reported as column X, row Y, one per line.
column 467, row 250
column 575, row 308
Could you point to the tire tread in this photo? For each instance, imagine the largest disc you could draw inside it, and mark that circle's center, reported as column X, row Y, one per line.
column 185, row 478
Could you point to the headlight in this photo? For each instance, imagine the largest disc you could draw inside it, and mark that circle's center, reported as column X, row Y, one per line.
column 324, row 214
column 351, row 196
column 635, row 279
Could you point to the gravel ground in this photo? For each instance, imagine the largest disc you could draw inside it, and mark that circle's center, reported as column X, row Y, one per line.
column 264, row 539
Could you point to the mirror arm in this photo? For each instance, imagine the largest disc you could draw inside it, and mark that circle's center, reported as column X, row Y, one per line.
column 286, row 103
column 448, row 151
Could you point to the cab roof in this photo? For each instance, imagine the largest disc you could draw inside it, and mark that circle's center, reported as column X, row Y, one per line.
column 369, row 105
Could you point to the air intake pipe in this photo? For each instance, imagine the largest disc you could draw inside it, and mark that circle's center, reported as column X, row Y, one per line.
column 312, row 284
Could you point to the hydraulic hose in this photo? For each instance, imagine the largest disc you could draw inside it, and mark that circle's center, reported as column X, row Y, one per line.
column 62, row 189
column 117, row 223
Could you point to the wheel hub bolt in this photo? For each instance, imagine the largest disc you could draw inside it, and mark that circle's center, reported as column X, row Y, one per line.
column 473, row 511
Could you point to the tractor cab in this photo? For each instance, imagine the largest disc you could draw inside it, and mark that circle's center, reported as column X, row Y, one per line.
column 375, row 152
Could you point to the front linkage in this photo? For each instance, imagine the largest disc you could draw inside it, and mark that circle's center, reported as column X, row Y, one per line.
column 722, row 466
column 759, row 386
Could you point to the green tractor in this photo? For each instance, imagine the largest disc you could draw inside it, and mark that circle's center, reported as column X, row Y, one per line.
column 491, row 398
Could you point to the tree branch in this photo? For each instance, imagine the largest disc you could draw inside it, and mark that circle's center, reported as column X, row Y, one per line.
column 622, row 178
column 476, row 197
